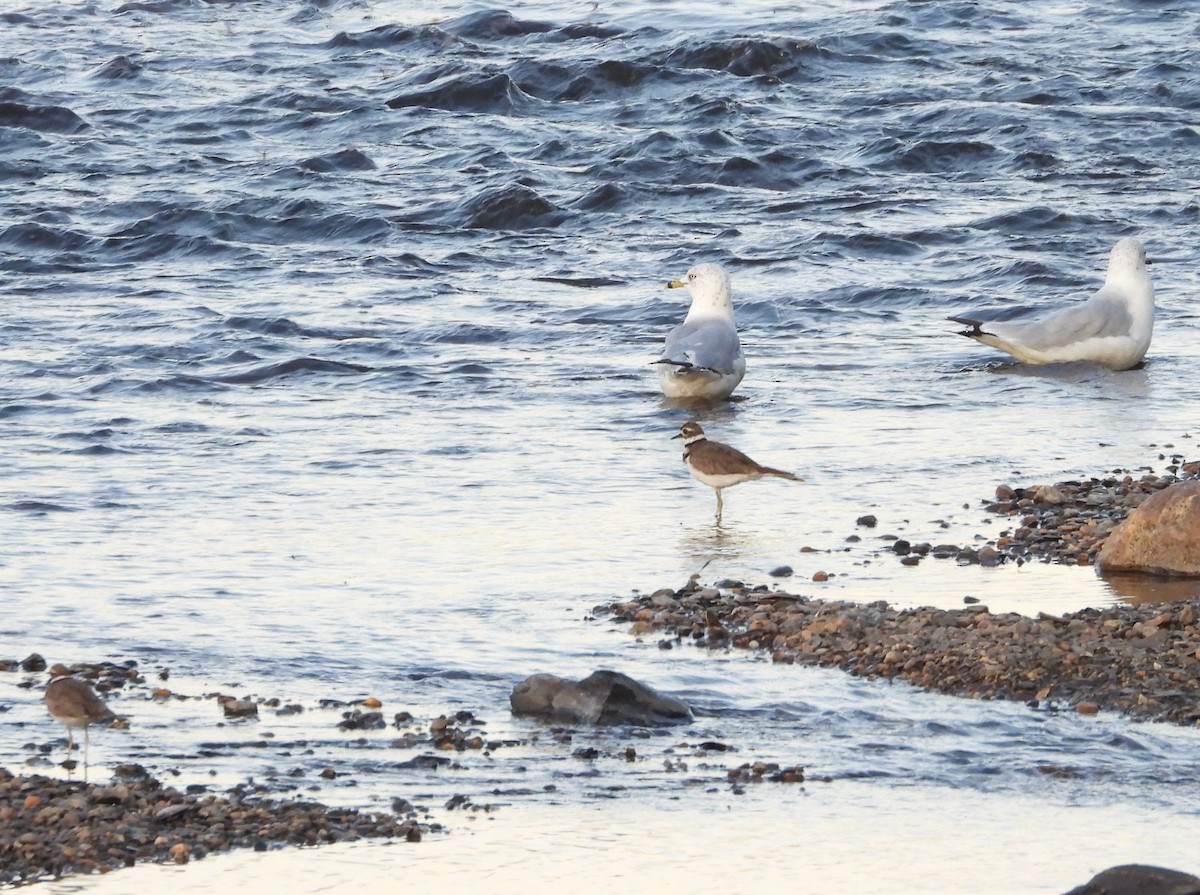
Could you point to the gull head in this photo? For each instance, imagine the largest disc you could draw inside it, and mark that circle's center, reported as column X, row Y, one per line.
column 1128, row 258
column 709, row 288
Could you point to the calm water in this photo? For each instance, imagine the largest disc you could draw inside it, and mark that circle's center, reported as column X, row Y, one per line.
column 324, row 373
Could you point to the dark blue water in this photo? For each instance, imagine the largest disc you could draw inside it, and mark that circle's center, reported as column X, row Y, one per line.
column 324, row 367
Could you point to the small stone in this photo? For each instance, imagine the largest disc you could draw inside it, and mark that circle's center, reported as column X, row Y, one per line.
column 1087, row 708
column 180, row 853
column 1048, row 494
column 1004, row 492
column 781, row 572
column 33, row 662
column 911, row 560
column 820, row 576
column 867, row 521
column 901, row 547
column 239, row 708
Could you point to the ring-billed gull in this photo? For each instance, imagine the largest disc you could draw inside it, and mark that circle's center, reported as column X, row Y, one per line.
column 719, row 465
column 702, row 357
column 1112, row 328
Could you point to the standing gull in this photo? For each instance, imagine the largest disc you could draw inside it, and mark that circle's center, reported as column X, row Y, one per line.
column 1112, row 327
column 719, row 465
column 703, row 357
column 73, row 703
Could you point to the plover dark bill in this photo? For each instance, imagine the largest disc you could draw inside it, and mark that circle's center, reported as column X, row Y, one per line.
column 73, row 703
column 702, row 358
column 1112, row 328
column 719, row 465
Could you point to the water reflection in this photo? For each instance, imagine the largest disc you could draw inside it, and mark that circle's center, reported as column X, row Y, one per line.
column 1135, row 588
column 707, row 542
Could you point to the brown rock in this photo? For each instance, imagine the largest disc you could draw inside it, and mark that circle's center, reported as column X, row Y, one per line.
column 1162, row 536
column 1139, row 879
column 604, row 697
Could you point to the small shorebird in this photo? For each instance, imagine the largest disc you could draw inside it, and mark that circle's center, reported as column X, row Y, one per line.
column 1112, row 328
column 719, row 465
column 73, row 703
column 702, row 357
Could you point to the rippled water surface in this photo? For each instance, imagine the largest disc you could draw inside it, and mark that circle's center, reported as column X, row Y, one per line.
column 324, row 373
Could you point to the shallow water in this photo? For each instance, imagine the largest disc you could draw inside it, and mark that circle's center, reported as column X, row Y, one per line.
column 324, row 372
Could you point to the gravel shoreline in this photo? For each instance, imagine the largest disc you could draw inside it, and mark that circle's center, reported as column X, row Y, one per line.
column 50, row 828
column 1065, row 523
column 1142, row 661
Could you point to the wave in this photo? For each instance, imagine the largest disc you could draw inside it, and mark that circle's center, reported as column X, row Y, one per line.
column 267, row 372
column 43, row 119
column 510, row 207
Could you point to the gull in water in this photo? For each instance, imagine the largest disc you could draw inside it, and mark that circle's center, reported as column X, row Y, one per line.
column 1112, row 327
column 703, row 357
column 719, row 465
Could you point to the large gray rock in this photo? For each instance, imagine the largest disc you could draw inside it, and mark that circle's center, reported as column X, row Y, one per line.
column 1161, row 536
column 1139, row 879
column 603, row 697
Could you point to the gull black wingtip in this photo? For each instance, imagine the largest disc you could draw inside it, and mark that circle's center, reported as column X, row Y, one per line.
column 976, row 326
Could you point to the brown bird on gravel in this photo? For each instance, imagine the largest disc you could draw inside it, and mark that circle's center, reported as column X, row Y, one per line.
column 73, row 703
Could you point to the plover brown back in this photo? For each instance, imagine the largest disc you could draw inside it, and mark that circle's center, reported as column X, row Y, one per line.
column 719, row 465
column 73, row 703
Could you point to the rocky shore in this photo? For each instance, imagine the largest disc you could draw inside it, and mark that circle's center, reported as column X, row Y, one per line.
column 49, row 827
column 1065, row 522
column 1143, row 661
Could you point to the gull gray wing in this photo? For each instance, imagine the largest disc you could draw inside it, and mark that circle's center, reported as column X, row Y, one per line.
column 1104, row 315
column 705, row 343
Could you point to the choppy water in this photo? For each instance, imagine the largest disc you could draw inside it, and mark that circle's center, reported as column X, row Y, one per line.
column 324, row 353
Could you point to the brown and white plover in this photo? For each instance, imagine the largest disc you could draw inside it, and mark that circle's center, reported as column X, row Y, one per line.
column 719, row 465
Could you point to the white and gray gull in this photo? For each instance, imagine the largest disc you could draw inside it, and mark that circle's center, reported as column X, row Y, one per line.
column 1112, row 327
column 702, row 358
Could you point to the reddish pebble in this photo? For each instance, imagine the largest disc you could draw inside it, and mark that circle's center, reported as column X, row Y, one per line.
column 820, row 576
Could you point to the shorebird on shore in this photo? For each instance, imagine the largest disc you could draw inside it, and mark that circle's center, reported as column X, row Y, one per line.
column 702, row 358
column 1111, row 328
column 719, row 465
column 73, row 703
